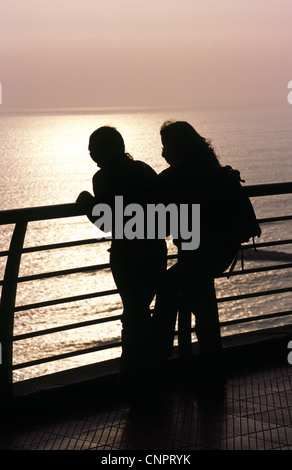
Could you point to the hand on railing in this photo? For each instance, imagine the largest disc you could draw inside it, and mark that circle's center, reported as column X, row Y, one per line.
column 85, row 202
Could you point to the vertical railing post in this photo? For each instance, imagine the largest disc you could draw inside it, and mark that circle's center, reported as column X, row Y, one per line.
column 7, row 308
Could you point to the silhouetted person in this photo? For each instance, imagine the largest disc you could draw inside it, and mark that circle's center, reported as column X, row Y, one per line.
column 138, row 264
column 195, row 176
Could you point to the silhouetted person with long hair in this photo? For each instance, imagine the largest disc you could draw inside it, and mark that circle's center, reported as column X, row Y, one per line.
column 195, row 176
column 138, row 264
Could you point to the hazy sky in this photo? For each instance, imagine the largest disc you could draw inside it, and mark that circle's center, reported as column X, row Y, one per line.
column 128, row 53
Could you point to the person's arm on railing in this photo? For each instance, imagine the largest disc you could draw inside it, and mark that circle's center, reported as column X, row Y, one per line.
column 101, row 194
column 86, row 202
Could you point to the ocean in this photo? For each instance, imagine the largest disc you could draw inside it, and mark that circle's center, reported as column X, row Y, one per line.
column 45, row 161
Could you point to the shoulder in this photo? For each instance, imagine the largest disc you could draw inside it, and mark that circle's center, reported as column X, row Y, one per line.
column 167, row 173
column 98, row 177
column 100, row 183
column 173, row 173
column 143, row 168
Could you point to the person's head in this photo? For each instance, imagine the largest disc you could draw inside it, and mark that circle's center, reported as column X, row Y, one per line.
column 181, row 142
column 106, row 146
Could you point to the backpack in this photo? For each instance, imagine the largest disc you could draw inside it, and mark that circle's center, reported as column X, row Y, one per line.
column 236, row 217
column 227, row 217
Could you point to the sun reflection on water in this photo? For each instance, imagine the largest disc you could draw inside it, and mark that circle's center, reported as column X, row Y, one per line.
column 45, row 161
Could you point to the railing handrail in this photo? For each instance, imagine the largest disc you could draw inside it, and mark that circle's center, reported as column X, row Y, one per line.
column 56, row 211
column 31, row 214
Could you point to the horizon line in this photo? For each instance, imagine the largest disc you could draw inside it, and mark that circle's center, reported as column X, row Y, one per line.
column 118, row 109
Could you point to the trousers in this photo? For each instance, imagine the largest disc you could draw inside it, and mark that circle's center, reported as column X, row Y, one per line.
column 189, row 284
column 137, row 273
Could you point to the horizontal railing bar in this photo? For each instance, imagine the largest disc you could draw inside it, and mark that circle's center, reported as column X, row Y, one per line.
column 94, row 268
column 72, row 326
column 275, row 219
column 269, row 189
column 58, row 329
column 288, row 241
column 256, row 318
column 92, row 241
column 30, row 214
column 89, row 241
column 99, row 267
column 48, row 303
column 254, row 294
column 118, row 344
column 33, row 214
column 64, row 272
column 255, row 270
column 115, row 291
column 118, row 317
column 53, row 246
column 66, row 355
column 236, row 321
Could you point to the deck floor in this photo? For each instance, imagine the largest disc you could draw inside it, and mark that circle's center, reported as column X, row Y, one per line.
column 254, row 414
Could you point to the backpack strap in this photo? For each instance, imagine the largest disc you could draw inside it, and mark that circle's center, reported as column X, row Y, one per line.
column 232, row 265
column 235, row 259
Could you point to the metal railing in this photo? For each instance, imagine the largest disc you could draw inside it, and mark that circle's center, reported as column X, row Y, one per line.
column 20, row 218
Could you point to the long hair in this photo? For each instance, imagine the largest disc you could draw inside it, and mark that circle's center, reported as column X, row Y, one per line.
column 193, row 148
